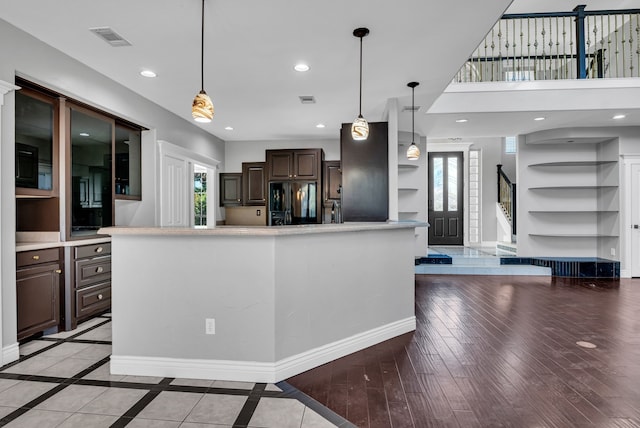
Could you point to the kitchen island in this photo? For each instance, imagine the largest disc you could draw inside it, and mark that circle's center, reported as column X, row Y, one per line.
column 256, row 304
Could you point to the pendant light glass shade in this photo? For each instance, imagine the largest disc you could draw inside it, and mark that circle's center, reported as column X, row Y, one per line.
column 360, row 127
column 413, row 152
column 202, row 107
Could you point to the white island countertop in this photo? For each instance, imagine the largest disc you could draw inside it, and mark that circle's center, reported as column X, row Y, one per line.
column 303, row 229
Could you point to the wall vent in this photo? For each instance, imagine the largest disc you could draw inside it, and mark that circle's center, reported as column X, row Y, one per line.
column 307, row 99
column 108, row 35
column 411, row 108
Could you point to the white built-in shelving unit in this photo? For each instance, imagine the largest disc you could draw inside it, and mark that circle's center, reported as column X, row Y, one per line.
column 412, row 188
column 568, row 198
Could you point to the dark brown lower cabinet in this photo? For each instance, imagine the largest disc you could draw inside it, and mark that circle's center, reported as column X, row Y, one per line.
column 37, row 291
column 91, row 282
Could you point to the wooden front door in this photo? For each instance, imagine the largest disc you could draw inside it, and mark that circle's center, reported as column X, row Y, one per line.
column 445, row 198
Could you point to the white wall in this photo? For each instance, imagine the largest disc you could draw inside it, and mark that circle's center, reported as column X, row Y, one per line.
column 614, row 141
column 28, row 57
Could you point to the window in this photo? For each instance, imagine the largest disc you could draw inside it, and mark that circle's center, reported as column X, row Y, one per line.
column 200, row 196
column 510, row 145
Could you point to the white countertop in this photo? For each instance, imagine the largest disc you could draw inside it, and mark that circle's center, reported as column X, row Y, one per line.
column 305, row 229
column 41, row 245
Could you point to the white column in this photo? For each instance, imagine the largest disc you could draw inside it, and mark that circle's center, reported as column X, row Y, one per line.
column 5, row 252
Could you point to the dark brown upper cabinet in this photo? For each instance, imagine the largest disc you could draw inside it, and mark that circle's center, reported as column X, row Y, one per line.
column 36, row 141
column 230, row 189
column 89, row 178
column 332, row 180
column 297, row 164
column 254, row 188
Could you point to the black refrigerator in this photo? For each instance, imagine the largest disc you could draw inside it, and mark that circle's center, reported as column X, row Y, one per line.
column 293, row 202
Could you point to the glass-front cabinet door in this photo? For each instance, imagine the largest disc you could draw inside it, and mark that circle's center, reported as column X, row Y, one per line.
column 36, row 144
column 91, row 138
column 127, row 162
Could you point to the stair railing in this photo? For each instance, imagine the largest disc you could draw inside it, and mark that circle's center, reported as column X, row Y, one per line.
column 507, row 199
column 558, row 45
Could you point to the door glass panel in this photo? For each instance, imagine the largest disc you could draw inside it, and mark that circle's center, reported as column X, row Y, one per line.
column 438, row 185
column 127, row 158
column 304, row 202
column 200, row 197
column 34, row 142
column 452, row 193
column 91, row 142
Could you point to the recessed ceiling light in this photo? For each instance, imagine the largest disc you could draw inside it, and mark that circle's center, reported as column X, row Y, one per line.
column 320, row 125
column 619, row 116
column 84, row 134
column 461, row 120
column 539, row 118
column 301, row 67
column 229, row 128
column 148, row 73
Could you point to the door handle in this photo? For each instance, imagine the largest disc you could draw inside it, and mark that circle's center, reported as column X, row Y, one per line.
column 635, row 226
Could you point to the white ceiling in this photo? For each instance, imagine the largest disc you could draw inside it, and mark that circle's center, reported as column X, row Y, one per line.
column 251, row 47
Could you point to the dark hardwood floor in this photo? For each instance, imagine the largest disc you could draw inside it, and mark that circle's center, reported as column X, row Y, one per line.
column 494, row 351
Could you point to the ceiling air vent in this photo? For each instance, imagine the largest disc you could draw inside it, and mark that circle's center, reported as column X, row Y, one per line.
column 307, row 99
column 108, row 35
column 410, row 108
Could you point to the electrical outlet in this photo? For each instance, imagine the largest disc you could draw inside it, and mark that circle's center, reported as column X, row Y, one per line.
column 258, row 213
column 210, row 326
column 613, row 252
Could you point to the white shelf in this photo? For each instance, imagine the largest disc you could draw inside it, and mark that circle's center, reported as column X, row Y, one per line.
column 405, row 166
column 412, row 189
column 574, row 163
column 570, row 211
column 572, row 235
column 571, row 187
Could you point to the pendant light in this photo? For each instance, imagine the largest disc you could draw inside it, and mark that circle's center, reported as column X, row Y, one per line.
column 413, row 152
column 360, row 127
column 202, row 108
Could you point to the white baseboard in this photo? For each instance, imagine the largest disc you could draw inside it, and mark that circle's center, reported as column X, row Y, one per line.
column 10, row 353
column 255, row 371
column 299, row 363
column 625, row 273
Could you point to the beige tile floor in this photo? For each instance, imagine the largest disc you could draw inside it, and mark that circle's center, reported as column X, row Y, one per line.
column 63, row 380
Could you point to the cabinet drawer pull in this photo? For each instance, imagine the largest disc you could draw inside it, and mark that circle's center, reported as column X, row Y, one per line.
column 99, row 296
column 36, row 257
column 99, row 249
column 58, row 270
column 99, row 269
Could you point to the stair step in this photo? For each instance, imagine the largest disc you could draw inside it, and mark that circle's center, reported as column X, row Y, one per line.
column 483, row 270
column 475, row 261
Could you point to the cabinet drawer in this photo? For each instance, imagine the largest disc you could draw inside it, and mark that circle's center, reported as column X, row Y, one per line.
column 93, row 299
column 92, row 250
column 94, row 270
column 28, row 258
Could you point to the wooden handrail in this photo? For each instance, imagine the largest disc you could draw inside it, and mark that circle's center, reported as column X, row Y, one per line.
column 507, row 198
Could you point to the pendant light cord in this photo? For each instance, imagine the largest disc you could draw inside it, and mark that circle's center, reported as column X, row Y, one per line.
column 413, row 114
column 202, row 50
column 360, row 108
